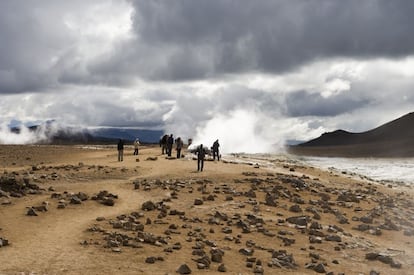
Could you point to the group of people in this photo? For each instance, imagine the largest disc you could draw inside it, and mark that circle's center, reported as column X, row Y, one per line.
column 120, row 147
column 167, row 143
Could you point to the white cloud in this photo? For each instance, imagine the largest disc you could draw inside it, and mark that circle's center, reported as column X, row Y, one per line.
column 192, row 68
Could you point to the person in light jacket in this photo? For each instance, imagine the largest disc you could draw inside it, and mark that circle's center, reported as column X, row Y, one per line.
column 136, row 146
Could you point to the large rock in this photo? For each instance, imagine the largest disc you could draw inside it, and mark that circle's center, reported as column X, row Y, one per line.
column 299, row 220
column 184, row 269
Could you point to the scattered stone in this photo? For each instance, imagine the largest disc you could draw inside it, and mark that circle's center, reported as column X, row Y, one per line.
column 333, row 238
column 281, row 259
column 75, row 200
column 246, row 251
column 384, row 258
column 198, row 202
column 295, row 208
column 148, row 206
column 150, row 260
column 3, row 242
column 320, row 268
column 31, row 212
column 152, row 158
column 184, row 269
column 221, row 268
column 299, row 220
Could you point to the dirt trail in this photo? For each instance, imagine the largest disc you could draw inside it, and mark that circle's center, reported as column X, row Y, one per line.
column 51, row 240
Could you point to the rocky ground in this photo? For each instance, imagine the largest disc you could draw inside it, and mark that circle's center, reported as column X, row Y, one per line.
column 76, row 210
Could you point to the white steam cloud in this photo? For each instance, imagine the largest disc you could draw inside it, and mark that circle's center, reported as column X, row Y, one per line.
column 24, row 135
column 240, row 131
column 251, row 131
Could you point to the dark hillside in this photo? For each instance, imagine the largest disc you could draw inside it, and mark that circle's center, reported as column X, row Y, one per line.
column 393, row 139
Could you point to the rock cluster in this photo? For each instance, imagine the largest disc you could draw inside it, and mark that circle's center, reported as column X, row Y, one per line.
column 317, row 220
column 14, row 186
column 384, row 258
column 103, row 197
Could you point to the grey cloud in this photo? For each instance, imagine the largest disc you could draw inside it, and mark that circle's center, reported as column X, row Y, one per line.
column 270, row 36
column 303, row 103
column 187, row 40
column 32, row 34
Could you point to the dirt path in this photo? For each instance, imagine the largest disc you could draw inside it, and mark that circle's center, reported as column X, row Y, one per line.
column 50, row 241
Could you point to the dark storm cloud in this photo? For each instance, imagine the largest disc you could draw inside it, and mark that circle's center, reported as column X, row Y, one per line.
column 303, row 103
column 31, row 35
column 188, row 40
column 199, row 39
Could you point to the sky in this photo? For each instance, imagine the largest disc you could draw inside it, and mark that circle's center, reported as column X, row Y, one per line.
column 253, row 74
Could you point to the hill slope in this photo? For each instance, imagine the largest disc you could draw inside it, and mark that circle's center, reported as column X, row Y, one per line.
column 393, row 139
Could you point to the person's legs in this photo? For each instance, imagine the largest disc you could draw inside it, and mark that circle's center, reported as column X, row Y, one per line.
column 121, row 155
column 202, row 164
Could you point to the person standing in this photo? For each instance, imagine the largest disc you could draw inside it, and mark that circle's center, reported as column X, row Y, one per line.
column 179, row 143
column 170, row 143
column 215, row 148
column 163, row 144
column 120, row 150
column 136, row 146
column 201, row 153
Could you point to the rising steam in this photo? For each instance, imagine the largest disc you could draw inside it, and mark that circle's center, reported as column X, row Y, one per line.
column 28, row 135
column 239, row 131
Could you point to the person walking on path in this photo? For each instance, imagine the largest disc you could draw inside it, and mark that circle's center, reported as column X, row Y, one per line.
column 120, row 150
column 136, row 146
column 170, row 143
column 215, row 149
column 201, row 153
column 179, row 143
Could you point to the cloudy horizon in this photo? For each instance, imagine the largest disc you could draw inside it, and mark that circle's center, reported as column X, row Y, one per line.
column 246, row 72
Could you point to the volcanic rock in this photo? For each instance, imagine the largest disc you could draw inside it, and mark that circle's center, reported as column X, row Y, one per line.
column 184, row 269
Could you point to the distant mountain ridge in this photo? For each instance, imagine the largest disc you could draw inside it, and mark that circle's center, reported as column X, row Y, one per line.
column 72, row 135
column 393, row 139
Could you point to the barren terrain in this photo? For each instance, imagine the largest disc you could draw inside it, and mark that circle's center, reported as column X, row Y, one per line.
column 77, row 210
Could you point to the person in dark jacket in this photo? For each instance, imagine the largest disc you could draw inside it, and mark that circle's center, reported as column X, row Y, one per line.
column 163, row 144
column 215, row 149
column 201, row 153
column 170, row 143
column 120, row 150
